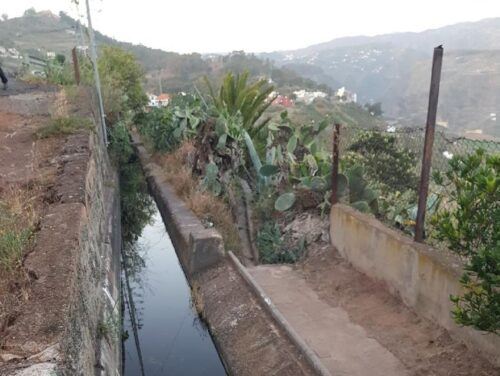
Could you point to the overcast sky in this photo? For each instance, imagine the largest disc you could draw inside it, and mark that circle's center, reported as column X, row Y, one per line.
column 260, row 25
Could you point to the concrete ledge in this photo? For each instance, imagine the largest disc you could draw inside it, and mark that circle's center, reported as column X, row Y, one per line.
column 197, row 247
column 423, row 277
column 266, row 302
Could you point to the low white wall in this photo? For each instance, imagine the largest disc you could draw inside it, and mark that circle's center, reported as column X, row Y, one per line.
column 423, row 277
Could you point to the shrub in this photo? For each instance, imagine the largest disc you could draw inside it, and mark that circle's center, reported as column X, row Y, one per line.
column 167, row 127
column 471, row 228
column 119, row 147
column 275, row 248
column 384, row 161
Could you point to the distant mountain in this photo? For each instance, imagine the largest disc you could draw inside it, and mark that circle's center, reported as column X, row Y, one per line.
column 44, row 32
column 395, row 69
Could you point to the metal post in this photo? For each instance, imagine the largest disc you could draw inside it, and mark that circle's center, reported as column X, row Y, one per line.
column 76, row 65
column 93, row 56
column 335, row 163
column 430, row 126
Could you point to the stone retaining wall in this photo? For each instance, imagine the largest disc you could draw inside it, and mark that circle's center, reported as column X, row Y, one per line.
column 71, row 325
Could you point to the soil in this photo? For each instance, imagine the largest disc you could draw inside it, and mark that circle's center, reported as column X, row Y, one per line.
column 26, row 165
column 245, row 334
column 35, row 166
column 422, row 346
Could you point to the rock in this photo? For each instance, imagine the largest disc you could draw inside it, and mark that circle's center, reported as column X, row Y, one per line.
column 312, row 227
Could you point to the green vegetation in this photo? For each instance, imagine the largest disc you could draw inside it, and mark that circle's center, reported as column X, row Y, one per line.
column 64, row 126
column 17, row 222
column 274, row 249
column 237, row 97
column 167, row 127
column 122, row 82
column 281, row 162
column 470, row 226
column 354, row 188
column 58, row 71
column 385, row 161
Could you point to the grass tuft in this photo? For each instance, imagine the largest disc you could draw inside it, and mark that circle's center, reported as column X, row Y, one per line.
column 64, row 126
column 17, row 222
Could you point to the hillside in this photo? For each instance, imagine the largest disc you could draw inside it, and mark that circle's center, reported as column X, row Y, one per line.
column 395, row 70
column 45, row 32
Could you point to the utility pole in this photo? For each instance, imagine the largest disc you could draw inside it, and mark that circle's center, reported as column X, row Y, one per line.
column 159, row 82
column 93, row 57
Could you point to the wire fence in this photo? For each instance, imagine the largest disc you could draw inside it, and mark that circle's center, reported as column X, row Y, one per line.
column 446, row 144
column 391, row 162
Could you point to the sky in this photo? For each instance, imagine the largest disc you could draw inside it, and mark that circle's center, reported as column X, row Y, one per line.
column 217, row 26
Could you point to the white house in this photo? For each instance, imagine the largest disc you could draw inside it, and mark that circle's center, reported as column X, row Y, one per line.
column 152, row 100
column 163, row 100
column 308, row 96
column 345, row 96
column 14, row 53
column 51, row 54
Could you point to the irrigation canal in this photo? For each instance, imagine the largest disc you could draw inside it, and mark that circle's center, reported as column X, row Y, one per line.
column 163, row 334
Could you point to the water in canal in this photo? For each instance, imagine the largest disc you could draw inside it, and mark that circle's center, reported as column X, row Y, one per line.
column 163, row 333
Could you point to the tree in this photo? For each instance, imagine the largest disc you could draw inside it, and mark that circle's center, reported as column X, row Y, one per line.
column 236, row 95
column 122, row 79
column 29, row 12
column 470, row 226
column 385, row 161
column 374, row 108
column 5, row 16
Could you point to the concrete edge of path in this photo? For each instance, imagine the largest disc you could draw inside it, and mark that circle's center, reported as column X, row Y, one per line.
column 306, row 351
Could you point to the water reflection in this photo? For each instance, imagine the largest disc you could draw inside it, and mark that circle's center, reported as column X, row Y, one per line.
column 165, row 335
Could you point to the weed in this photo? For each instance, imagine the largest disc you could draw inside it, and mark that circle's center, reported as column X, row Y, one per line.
column 110, row 327
column 17, row 221
column 64, row 126
column 275, row 248
column 208, row 207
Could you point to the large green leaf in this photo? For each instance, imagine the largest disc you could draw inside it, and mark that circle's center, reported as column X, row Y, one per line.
column 362, row 206
column 285, row 201
column 292, row 144
column 269, row 170
column 342, row 184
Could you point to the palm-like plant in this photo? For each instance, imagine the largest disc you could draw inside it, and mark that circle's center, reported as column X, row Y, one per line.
column 250, row 100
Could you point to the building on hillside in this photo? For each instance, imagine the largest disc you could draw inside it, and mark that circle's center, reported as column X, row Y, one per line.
column 344, row 96
column 308, row 96
column 51, row 54
column 283, row 100
column 82, row 48
column 442, row 123
column 14, row 53
column 152, row 100
column 163, row 100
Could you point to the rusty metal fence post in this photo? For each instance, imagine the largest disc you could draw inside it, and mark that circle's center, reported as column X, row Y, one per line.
column 335, row 163
column 76, row 65
column 430, row 126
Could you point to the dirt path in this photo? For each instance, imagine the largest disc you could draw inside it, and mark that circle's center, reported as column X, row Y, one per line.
column 28, row 170
column 356, row 327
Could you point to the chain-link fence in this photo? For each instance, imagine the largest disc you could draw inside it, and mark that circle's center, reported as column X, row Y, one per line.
column 383, row 167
